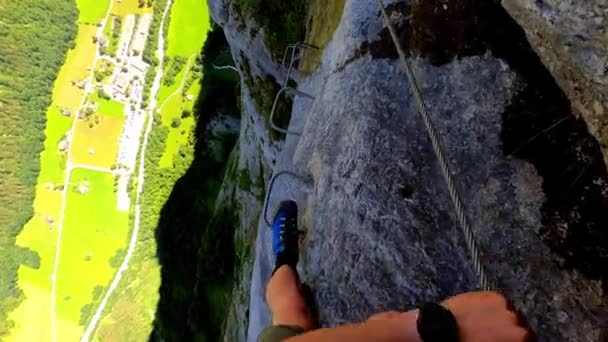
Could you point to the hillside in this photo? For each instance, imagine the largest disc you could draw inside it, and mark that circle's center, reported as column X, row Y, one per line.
column 34, row 39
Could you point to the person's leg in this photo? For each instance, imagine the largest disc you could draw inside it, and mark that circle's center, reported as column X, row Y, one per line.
column 286, row 301
column 291, row 314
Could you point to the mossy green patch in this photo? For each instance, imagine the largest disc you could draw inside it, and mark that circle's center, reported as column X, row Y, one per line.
column 323, row 19
column 282, row 21
column 264, row 92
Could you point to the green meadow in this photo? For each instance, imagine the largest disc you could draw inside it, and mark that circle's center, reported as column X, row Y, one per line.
column 33, row 316
column 92, row 11
column 188, row 28
column 190, row 23
column 94, row 230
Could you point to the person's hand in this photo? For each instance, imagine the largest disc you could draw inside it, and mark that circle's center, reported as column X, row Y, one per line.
column 481, row 317
column 487, row 316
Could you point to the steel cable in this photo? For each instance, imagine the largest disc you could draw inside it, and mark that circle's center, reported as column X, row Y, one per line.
column 469, row 236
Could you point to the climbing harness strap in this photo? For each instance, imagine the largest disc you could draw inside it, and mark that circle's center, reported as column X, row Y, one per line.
column 437, row 147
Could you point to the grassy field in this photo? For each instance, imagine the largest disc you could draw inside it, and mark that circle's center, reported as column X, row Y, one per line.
column 92, row 11
column 108, row 107
column 165, row 91
column 93, row 231
column 65, row 94
column 127, row 7
column 190, row 23
column 108, row 31
column 188, row 30
column 35, row 308
column 32, row 317
column 172, row 105
column 180, row 135
column 40, row 235
column 102, row 139
column 131, row 316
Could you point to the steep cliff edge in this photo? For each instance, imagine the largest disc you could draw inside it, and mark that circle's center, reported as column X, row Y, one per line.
column 380, row 229
column 571, row 37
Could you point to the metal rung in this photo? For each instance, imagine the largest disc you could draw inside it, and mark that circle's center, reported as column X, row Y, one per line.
column 295, row 49
column 272, row 181
column 275, row 104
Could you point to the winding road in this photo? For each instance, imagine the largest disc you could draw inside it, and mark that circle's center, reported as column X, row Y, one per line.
column 90, row 329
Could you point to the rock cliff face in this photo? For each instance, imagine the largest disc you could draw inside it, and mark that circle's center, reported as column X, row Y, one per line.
column 571, row 38
column 380, row 229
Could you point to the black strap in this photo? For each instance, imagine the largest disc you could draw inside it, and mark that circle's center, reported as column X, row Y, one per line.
column 436, row 324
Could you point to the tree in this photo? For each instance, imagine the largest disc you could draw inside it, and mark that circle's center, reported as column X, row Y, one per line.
column 176, row 122
column 85, row 313
column 117, row 258
column 102, row 94
column 99, row 75
column 186, row 113
column 88, row 111
column 97, row 292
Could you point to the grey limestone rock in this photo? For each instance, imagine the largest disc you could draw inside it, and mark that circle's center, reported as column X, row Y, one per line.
column 571, row 37
column 381, row 232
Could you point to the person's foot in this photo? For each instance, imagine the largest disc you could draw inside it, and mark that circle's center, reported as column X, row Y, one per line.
column 285, row 234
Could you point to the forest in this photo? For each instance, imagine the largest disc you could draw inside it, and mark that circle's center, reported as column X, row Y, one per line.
column 34, row 39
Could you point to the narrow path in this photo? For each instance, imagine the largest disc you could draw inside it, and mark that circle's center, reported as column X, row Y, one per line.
column 98, row 168
column 66, row 182
column 140, row 183
column 224, row 67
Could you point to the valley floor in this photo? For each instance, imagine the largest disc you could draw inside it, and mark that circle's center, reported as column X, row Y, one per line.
column 85, row 203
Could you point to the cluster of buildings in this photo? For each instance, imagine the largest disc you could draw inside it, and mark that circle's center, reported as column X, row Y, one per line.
column 126, row 85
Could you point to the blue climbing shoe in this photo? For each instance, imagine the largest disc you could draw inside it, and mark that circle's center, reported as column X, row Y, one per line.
column 285, row 229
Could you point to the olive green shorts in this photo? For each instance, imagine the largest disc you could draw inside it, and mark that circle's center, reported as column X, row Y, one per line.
column 279, row 333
